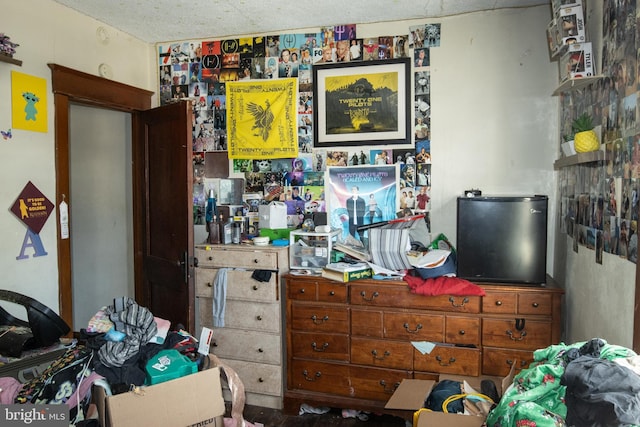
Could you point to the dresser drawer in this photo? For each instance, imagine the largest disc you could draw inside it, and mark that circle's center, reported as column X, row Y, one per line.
column 237, row 256
column 535, row 303
column 500, row 302
column 387, row 295
column 320, row 346
column 498, row 361
column 413, row 326
column 376, row 383
column 320, row 377
column 240, row 285
column 520, row 334
column 257, row 378
column 462, row 330
column 317, row 290
column 247, row 345
column 310, row 318
column 524, row 302
column 382, row 353
column 449, row 360
column 252, row 316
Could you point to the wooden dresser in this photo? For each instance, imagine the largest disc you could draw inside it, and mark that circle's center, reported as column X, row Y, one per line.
column 251, row 339
column 350, row 345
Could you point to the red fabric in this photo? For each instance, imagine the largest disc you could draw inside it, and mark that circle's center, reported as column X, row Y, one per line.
column 443, row 285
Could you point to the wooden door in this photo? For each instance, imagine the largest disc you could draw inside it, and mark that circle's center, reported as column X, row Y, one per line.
column 166, row 202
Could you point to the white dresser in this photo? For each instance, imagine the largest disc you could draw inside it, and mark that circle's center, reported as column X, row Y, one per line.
column 251, row 339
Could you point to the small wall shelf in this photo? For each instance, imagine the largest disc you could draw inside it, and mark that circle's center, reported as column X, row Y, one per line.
column 574, row 84
column 10, row 60
column 580, row 158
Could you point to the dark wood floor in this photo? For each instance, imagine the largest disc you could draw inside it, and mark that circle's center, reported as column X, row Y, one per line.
column 275, row 418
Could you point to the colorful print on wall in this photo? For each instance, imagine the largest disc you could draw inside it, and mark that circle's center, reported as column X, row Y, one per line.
column 28, row 102
column 261, row 119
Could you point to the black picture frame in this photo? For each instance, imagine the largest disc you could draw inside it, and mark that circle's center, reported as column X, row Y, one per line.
column 362, row 103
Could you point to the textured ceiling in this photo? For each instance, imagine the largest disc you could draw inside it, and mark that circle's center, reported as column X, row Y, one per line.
column 156, row 21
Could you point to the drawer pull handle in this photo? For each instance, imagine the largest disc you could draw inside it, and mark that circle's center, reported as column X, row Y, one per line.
column 534, row 305
column 302, row 291
column 498, row 303
column 415, row 331
column 258, row 317
column 452, row 300
column 319, row 322
column 260, row 350
column 514, row 338
column 306, row 376
column 373, row 296
column 461, row 332
column 255, row 261
column 260, row 380
column 390, row 390
column 315, row 346
column 209, row 285
column 523, row 363
column 210, row 258
column 384, row 356
column 452, row 360
column 254, row 287
column 332, row 293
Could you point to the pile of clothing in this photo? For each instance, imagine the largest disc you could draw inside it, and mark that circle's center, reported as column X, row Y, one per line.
column 590, row 383
column 112, row 353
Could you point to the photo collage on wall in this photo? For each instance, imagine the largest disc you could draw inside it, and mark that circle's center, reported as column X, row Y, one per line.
column 599, row 200
column 197, row 71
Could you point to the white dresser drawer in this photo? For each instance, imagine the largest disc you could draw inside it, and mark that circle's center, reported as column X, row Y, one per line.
column 257, row 378
column 250, row 346
column 252, row 316
column 237, row 256
column 240, row 285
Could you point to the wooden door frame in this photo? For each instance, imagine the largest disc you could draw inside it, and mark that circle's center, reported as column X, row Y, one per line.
column 75, row 87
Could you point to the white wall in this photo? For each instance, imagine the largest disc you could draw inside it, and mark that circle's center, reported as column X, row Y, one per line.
column 50, row 33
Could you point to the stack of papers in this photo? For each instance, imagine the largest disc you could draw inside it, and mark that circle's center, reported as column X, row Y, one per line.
column 430, row 259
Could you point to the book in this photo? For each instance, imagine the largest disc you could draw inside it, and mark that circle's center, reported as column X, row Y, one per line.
column 360, row 253
column 345, row 272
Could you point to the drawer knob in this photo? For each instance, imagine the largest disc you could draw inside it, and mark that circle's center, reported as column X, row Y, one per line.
column 258, row 317
column 209, row 285
column 306, row 376
column 461, row 332
column 210, row 258
column 260, row 350
column 317, row 321
column 255, row 261
column 384, row 356
column 373, row 296
column 332, row 293
column 452, row 360
column 315, row 347
column 389, row 390
column 534, row 305
column 498, row 303
column 414, row 331
column 510, row 334
column 260, row 380
column 452, row 300
column 254, row 287
column 302, row 291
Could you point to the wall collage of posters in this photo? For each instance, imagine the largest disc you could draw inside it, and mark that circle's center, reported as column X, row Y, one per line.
column 599, row 201
column 198, row 71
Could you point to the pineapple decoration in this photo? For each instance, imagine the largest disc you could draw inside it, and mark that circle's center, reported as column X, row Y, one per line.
column 585, row 137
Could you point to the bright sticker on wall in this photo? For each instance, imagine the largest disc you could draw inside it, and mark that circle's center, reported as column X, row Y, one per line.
column 28, row 102
column 6, row 135
column 261, row 119
column 33, row 209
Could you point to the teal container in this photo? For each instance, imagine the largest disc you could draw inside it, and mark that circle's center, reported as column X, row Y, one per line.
column 169, row 365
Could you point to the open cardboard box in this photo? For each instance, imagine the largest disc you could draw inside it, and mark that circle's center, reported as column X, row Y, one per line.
column 411, row 395
column 194, row 399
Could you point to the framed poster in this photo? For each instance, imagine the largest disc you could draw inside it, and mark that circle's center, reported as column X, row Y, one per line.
column 362, row 103
column 360, row 195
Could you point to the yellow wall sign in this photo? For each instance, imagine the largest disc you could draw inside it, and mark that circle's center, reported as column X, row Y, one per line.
column 262, row 119
column 28, row 102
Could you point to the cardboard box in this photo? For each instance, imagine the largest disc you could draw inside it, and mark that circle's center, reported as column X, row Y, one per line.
column 577, row 62
column 411, row 395
column 194, row 399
